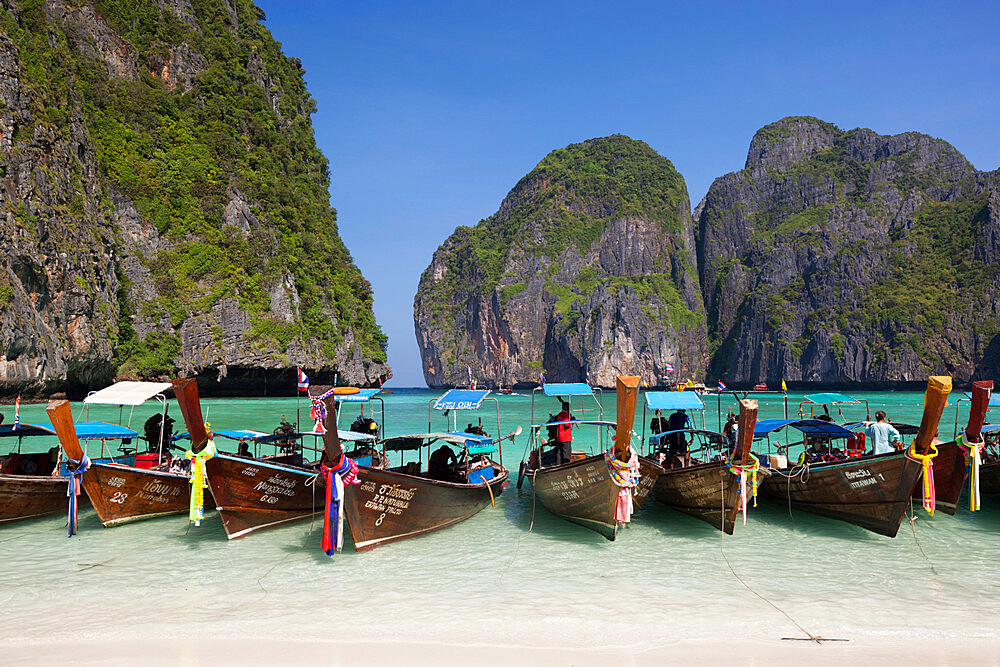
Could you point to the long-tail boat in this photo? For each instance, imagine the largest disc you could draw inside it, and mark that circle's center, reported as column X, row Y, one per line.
column 596, row 491
column 870, row 491
column 714, row 487
column 34, row 484
column 382, row 505
column 951, row 465
column 120, row 493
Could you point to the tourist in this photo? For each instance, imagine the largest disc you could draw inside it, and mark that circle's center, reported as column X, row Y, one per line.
column 883, row 435
column 438, row 465
column 564, row 435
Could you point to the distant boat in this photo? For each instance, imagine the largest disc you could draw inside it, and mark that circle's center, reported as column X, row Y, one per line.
column 760, row 386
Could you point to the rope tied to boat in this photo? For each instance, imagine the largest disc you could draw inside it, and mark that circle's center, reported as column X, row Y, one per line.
column 75, row 478
column 927, row 461
column 626, row 476
column 745, row 470
column 318, row 410
column 333, row 514
column 974, row 451
column 199, row 477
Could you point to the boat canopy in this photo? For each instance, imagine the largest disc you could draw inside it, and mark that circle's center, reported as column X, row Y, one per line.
column 360, row 397
column 567, row 389
column 994, row 399
column 811, row 427
column 991, row 428
column 829, row 399
column 461, row 399
column 258, row 436
column 904, row 429
column 477, row 444
column 84, row 431
column 673, row 400
column 127, row 393
column 654, row 439
column 577, row 422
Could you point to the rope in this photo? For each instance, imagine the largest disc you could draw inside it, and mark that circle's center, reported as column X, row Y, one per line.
column 75, row 479
column 974, row 451
column 927, row 461
column 912, row 520
column 492, row 499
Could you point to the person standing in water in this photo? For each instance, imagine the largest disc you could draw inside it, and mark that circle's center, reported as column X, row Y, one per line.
column 885, row 438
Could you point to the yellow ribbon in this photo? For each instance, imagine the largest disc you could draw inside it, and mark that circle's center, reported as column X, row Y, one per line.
column 196, row 512
column 975, row 459
column 926, row 460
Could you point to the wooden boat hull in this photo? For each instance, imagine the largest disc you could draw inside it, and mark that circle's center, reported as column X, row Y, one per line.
column 253, row 495
column 583, row 492
column 989, row 479
column 389, row 506
column 706, row 491
column 30, row 496
column 872, row 492
column 950, row 475
column 122, row 494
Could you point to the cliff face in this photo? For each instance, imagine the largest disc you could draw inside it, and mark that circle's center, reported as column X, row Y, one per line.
column 166, row 205
column 588, row 267
column 851, row 257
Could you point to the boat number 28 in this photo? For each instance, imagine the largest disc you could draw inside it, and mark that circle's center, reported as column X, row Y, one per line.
column 119, row 497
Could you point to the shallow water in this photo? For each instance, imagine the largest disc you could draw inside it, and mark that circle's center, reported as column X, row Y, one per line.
column 491, row 580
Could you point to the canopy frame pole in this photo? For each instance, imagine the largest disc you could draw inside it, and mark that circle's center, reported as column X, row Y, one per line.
column 163, row 418
column 958, row 403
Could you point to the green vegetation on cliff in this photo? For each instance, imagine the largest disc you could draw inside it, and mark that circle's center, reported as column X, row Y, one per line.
column 179, row 152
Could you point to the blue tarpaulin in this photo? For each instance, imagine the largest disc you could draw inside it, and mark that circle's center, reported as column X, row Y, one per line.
column 84, row 431
column 990, row 428
column 828, row 399
column 567, row 389
column 461, row 399
column 994, row 399
column 811, row 427
column 360, row 397
column 673, row 400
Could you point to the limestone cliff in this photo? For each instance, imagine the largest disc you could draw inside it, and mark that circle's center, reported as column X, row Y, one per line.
column 166, row 206
column 588, row 267
column 846, row 256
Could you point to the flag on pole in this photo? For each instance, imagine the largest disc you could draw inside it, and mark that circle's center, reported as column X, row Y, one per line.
column 722, row 385
column 784, row 387
column 669, row 367
column 303, row 380
column 17, row 412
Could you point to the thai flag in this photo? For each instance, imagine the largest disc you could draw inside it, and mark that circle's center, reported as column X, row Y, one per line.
column 669, row 367
column 722, row 385
column 303, row 380
column 17, row 413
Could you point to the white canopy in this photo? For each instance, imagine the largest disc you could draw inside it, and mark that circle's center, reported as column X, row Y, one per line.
column 127, row 393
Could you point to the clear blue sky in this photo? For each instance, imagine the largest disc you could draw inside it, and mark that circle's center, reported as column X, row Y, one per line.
column 429, row 114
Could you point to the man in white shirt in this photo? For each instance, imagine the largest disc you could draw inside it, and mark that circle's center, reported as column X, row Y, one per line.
column 885, row 439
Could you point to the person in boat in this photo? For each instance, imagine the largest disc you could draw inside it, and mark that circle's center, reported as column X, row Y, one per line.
column 564, row 435
column 678, row 455
column 151, row 429
column 439, row 465
column 884, row 436
column 729, row 430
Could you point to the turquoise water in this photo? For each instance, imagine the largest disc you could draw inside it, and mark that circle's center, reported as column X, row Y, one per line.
column 491, row 580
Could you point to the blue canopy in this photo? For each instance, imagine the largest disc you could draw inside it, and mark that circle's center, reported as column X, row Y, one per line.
column 828, row 399
column 989, row 428
column 461, row 399
column 994, row 399
column 811, row 427
column 103, row 431
column 567, row 389
column 360, row 397
column 673, row 400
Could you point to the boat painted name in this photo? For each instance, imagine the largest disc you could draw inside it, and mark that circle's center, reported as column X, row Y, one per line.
column 250, row 472
column 861, row 478
column 393, row 491
column 116, row 482
column 277, row 485
column 159, row 489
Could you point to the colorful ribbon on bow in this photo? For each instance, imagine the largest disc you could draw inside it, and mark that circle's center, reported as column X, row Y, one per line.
column 927, row 461
column 974, row 451
column 626, row 476
column 318, row 410
column 196, row 510
column 75, row 478
column 742, row 471
column 333, row 513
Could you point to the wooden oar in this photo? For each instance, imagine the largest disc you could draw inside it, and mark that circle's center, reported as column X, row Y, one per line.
column 186, row 391
column 981, row 391
column 627, row 388
column 61, row 416
column 938, row 388
column 747, row 423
